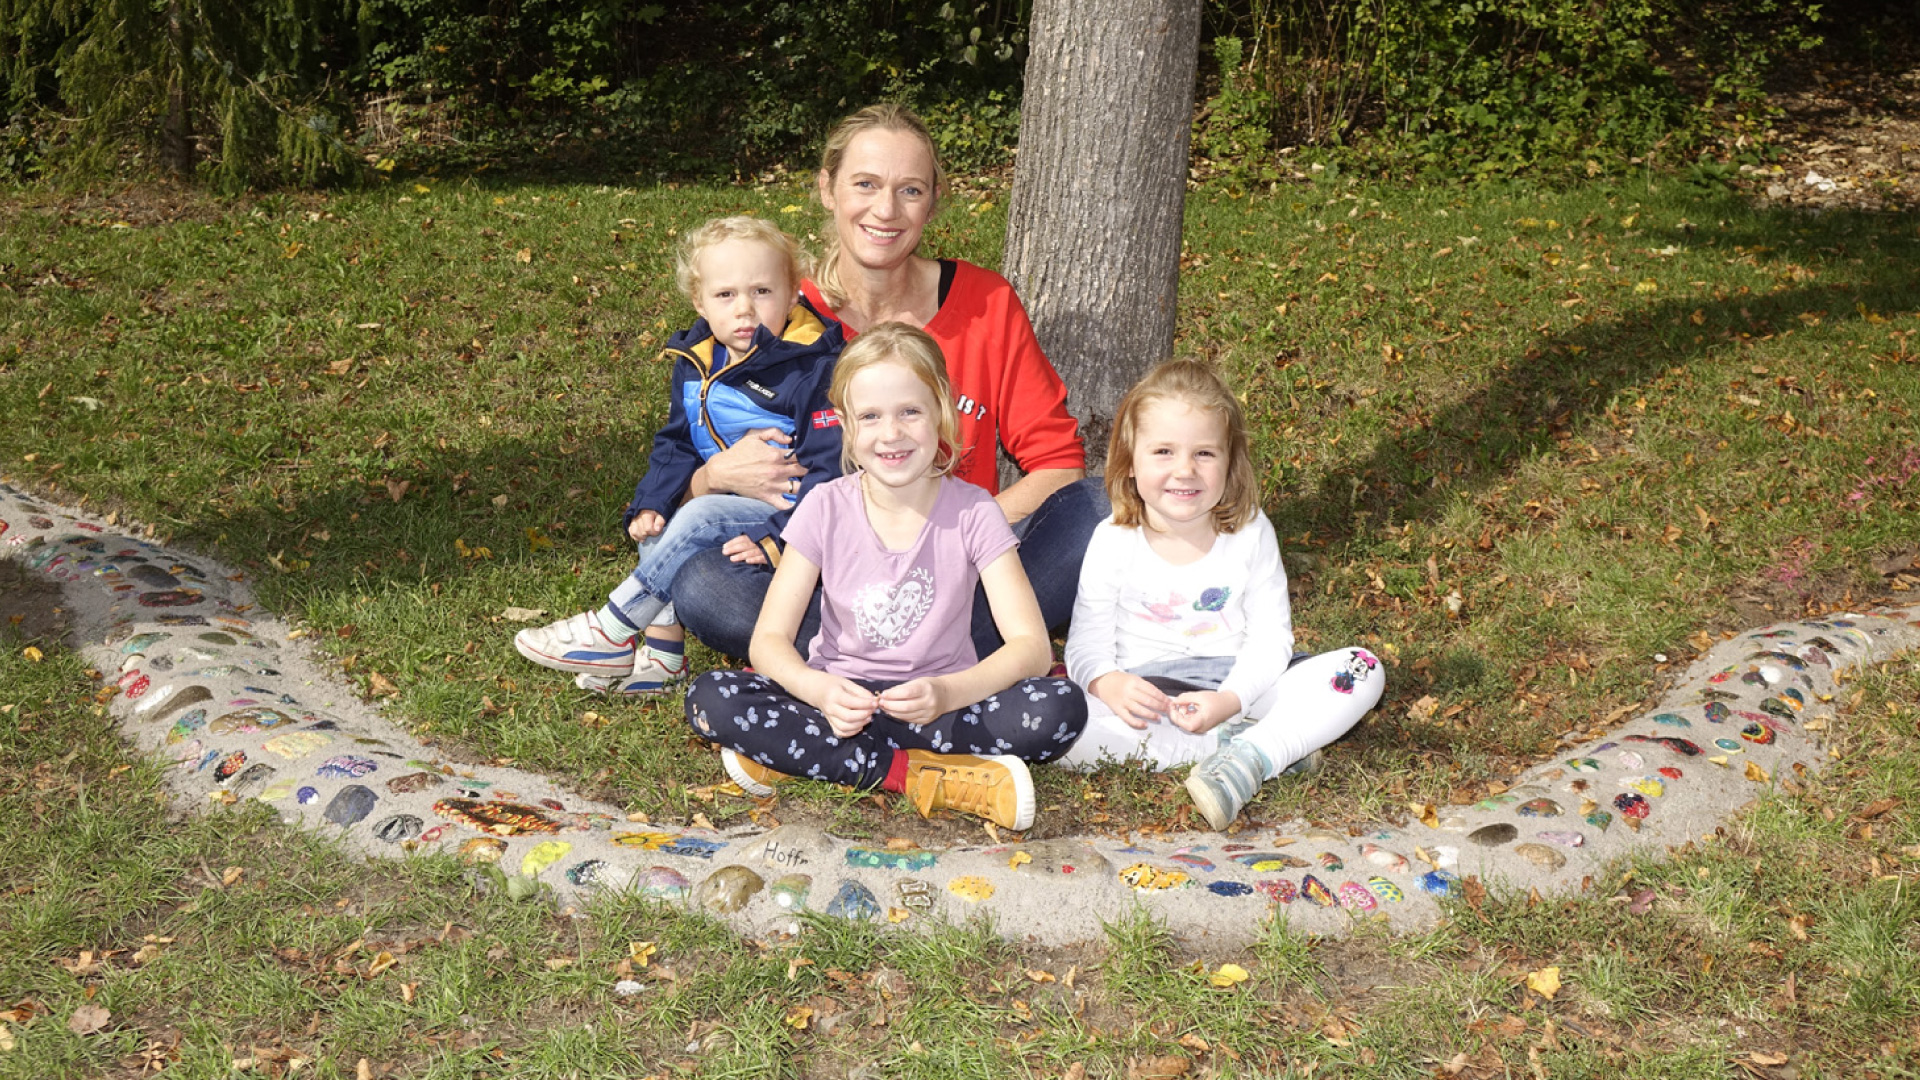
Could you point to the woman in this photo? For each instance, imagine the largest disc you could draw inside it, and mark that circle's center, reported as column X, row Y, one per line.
column 880, row 182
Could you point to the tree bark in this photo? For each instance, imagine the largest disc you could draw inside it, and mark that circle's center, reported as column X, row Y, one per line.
column 1099, row 190
column 176, row 127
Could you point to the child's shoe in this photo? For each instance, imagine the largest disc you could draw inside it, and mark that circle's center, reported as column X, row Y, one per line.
column 997, row 788
column 754, row 778
column 1225, row 781
column 1306, row 766
column 654, row 672
column 576, row 644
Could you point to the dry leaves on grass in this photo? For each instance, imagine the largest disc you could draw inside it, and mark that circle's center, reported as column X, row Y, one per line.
column 88, row 1019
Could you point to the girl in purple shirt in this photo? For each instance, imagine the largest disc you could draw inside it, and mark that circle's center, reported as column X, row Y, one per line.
column 892, row 694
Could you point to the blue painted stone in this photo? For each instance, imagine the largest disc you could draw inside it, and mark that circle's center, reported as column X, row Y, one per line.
column 1794, row 697
column 692, row 847
column 1632, row 804
column 307, row 795
column 1439, row 883
column 882, row 859
column 1757, row 733
column 344, row 767
column 1716, row 712
column 1600, row 819
column 1538, row 808
column 1731, row 746
column 1229, row 888
column 853, row 902
column 1196, row 861
column 1671, row 720
column 661, row 883
column 350, row 805
column 187, row 725
column 139, row 643
column 1267, row 862
column 586, row 873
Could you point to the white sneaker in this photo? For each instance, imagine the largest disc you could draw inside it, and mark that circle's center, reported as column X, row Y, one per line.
column 576, row 644
column 654, row 672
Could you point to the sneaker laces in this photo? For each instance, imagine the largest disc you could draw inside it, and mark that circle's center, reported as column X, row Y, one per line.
column 968, row 789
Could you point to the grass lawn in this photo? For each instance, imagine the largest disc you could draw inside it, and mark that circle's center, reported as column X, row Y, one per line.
column 1537, row 448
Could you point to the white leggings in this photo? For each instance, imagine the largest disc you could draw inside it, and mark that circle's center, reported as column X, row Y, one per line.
column 1315, row 701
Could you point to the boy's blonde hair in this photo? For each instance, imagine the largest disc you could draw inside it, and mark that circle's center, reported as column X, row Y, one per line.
column 886, row 116
column 1199, row 386
column 913, row 349
column 686, row 266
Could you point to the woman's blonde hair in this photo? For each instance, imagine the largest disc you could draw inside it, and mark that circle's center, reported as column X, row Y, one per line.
column 1198, row 386
column 913, row 349
column 886, row 116
column 686, row 266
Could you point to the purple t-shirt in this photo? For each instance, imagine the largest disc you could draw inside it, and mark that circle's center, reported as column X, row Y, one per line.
column 897, row 615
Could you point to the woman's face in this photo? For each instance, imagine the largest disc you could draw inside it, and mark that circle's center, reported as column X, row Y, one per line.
column 882, row 198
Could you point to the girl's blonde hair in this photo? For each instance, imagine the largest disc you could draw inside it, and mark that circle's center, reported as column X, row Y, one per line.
column 686, row 266
column 913, row 349
column 1198, row 386
column 886, row 116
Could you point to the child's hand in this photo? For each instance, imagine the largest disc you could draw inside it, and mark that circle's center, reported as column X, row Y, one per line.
column 848, row 707
column 1200, row 711
column 742, row 550
column 644, row 524
column 1132, row 698
column 916, row 701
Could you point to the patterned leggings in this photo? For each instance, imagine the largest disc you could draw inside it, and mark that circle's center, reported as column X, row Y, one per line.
column 1034, row 720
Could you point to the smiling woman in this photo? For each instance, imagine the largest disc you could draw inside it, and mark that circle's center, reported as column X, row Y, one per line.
column 881, row 183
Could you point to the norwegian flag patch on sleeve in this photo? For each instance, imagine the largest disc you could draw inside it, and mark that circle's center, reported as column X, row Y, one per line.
column 826, row 418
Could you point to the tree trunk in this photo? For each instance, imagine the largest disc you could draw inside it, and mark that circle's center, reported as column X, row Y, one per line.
column 176, row 127
column 1094, row 226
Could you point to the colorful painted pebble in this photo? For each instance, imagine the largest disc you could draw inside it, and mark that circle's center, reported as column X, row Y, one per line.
column 345, row 767
column 307, row 795
column 1229, row 888
column 1646, row 785
column 1630, row 760
column 914, row 894
column 1633, row 805
column 296, row 744
column 1731, row 746
column 498, row 818
column 1757, row 733
column 542, row 855
column 230, row 766
column 853, row 902
column 587, row 873
column 1144, row 877
column 1670, row 772
column 1189, row 859
column 396, row 828
column 1386, row 890
column 1538, row 808
column 1278, row 890
column 412, row 782
column 1583, row 764
column 971, row 887
column 1355, row 897
column 882, row 859
column 1563, row 837
column 1716, row 712
column 1267, row 862
column 1439, row 883
column 659, row 882
column 1315, row 890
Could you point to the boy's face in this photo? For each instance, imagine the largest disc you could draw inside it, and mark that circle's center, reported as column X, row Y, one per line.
column 743, row 286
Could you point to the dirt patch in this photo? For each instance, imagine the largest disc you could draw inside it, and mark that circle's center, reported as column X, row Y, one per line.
column 1849, row 137
column 30, row 605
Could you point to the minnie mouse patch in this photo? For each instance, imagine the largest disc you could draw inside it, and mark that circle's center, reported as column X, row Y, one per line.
column 1360, row 668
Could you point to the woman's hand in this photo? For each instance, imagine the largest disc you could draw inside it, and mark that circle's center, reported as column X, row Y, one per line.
column 1200, row 711
column 1132, row 698
column 644, row 524
column 916, row 701
column 848, row 707
column 758, row 466
column 742, row 550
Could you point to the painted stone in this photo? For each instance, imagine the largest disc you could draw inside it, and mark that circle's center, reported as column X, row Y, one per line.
column 1630, row 760
column 1496, row 802
column 1667, row 719
column 1538, row 808
column 1439, row 883
column 276, row 791
column 1386, row 890
column 1813, row 655
column 971, row 887
column 661, row 883
column 252, row 777
column 1646, row 785
column 1777, row 708
column 1683, row 747
column 1494, row 835
column 1198, row 862
column 1716, row 712
column 553, row 804
column 433, row 835
column 1718, row 695
column 1231, row 849
column 187, row 725
column 1731, row 746
column 1583, row 764
column 1757, row 677
column 137, row 688
column 1063, row 856
column 789, row 891
column 412, row 782
column 350, row 805
column 171, row 598
column 1670, row 772
column 153, row 577
column 1329, row 861
column 164, row 707
column 853, row 902
column 1324, row 836
column 542, row 855
column 482, row 851
column 295, row 744
column 160, row 663
column 587, row 873
column 230, row 766
column 307, row 795
column 1315, row 890
column 344, row 767
column 1143, row 877
column 1355, row 896
column 1268, row 862
column 1278, row 890
column 1563, row 837
column 728, row 889
column 498, row 818
column 1540, row 855
column 882, row 859
column 1439, row 856
column 669, row 844
column 1599, row 819
column 1795, row 699
column 1632, row 805
column 1384, row 858
column 1229, row 888
column 217, row 637
column 395, row 828
column 1757, row 733
column 914, row 894
column 248, row 721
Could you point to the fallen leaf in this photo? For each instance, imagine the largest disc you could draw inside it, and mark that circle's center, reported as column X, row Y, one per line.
column 1545, row 982
column 1476, row 893
column 1040, row 976
column 523, row 614
column 1423, row 709
column 799, row 1017
column 6, row 1039
column 88, row 1019
column 1755, row 773
column 1194, row 1043
column 1228, row 975
column 381, row 962
column 641, row 952
column 33, row 654
column 1762, row 1057
column 232, row 875
column 524, row 255
column 1158, row 1068
column 560, row 963
column 382, row 686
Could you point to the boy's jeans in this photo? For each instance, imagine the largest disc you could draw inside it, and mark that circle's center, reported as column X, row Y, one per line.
column 702, row 524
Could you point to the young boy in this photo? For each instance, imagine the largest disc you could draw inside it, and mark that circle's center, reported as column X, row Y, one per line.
column 758, row 357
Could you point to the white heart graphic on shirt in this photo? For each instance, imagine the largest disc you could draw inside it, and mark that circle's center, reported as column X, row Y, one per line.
column 887, row 615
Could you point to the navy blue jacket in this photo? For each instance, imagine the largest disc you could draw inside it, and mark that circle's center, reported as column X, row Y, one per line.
column 781, row 382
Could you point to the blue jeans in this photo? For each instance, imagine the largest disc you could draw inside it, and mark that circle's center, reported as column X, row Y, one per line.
column 701, row 525
column 719, row 599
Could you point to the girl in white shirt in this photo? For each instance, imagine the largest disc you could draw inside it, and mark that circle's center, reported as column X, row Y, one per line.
column 1181, row 633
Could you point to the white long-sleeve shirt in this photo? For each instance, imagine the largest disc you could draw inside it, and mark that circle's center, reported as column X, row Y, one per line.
column 1134, row 607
